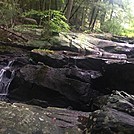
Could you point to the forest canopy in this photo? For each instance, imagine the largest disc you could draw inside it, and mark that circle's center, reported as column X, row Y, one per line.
column 54, row 16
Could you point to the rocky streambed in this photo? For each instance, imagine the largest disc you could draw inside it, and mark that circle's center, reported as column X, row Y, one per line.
column 78, row 86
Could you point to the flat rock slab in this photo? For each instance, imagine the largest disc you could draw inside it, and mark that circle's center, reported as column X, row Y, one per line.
column 25, row 119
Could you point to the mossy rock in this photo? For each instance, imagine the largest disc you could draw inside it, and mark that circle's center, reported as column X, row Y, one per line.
column 26, row 119
column 40, row 44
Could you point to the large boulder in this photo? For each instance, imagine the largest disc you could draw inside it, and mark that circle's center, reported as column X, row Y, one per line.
column 115, row 114
column 38, row 81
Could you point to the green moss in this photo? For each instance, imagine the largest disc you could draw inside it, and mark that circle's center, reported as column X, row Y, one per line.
column 43, row 51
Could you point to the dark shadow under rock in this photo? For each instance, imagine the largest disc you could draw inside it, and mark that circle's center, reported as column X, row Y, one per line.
column 116, row 76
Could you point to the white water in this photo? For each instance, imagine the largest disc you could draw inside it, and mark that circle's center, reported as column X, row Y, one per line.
column 6, row 76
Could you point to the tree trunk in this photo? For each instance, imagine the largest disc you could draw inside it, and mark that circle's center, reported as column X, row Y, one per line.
column 83, row 25
column 64, row 9
column 56, row 5
column 95, row 18
column 111, row 14
column 91, row 18
column 43, row 5
column 69, row 9
column 102, row 19
column 76, row 9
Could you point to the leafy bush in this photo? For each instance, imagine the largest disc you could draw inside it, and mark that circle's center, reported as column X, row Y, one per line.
column 52, row 20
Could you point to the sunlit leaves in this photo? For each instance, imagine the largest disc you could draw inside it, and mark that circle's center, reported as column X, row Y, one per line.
column 51, row 20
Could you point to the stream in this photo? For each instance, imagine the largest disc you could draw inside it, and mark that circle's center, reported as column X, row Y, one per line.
column 6, row 76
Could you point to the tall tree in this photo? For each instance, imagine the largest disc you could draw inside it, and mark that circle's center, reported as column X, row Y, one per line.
column 69, row 9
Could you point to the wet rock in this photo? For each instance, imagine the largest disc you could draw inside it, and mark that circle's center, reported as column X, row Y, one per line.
column 61, row 59
column 75, row 79
column 87, row 75
column 124, row 39
column 116, row 114
column 50, row 59
column 115, row 72
column 71, row 83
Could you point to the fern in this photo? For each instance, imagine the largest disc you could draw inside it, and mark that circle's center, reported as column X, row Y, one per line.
column 51, row 20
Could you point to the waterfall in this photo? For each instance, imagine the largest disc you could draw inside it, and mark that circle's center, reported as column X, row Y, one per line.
column 6, row 76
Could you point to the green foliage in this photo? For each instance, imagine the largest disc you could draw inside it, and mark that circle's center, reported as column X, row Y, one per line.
column 112, row 26
column 51, row 20
column 117, row 17
column 104, row 15
column 128, row 32
column 8, row 11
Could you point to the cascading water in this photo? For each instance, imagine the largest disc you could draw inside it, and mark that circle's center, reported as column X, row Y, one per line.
column 6, row 76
